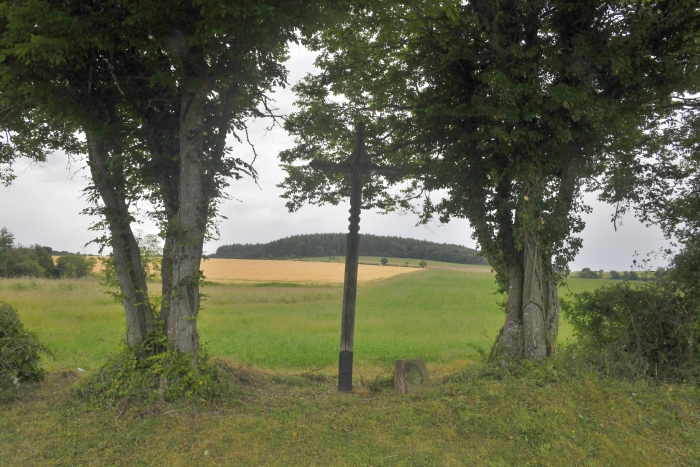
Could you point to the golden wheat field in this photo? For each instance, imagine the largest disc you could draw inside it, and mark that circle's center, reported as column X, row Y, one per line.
column 259, row 270
column 235, row 270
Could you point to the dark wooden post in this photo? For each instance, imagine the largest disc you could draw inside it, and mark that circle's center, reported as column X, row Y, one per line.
column 355, row 166
column 352, row 254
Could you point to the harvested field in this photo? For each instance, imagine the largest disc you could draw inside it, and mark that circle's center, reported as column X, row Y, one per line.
column 239, row 270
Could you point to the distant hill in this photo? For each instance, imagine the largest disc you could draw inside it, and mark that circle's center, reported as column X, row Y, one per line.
column 315, row 245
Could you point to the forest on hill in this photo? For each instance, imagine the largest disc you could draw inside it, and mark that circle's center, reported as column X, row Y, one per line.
column 333, row 244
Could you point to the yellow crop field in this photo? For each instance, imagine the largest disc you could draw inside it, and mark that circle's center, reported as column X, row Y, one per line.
column 256, row 270
column 234, row 270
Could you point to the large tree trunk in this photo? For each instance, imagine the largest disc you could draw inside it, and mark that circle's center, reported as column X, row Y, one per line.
column 125, row 249
column 532, row 307
column 190, row 227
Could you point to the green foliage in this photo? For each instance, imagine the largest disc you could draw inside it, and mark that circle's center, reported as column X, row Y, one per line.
column 384, row 261
column 132, row 375
column 647, row 330
column 6, row 242
column 423, row 264
column 586, row 273
column 20, row 352
column 317, row 245
column 614, row 274
column 510, row 110
column 74, row 266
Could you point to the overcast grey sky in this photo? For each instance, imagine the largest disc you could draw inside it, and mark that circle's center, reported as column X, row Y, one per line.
column 43, row 206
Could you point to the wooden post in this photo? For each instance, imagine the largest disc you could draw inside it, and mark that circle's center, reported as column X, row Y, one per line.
column 352, row 252
column 355, row 166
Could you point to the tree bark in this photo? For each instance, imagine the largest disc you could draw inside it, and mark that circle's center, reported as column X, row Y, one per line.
column 190, row 229
column 125, row 250
column 532, row 307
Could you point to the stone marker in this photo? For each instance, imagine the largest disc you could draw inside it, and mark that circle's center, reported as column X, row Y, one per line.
column 410, row 376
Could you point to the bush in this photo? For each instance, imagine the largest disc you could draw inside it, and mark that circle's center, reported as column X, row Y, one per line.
column 384, row 261
column 20, row 352
column 74, row 266
column 423, row 264
column 614, row 275
column 586, row 273
column 650, row 330
column 130, row 377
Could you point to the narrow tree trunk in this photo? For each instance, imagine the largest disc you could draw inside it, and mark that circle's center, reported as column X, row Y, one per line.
column 125, row 249
column 166, row 277
column 169, row 187
column 190, row 228
column 532, row 307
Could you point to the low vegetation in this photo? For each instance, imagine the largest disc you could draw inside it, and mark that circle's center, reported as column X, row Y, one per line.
column 37, row 261
column 20, row 353
column 276, row 346
column 649, row 330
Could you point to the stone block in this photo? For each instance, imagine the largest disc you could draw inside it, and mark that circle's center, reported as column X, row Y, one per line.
column 410, row 376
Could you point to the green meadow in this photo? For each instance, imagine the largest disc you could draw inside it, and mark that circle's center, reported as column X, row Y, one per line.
column 278, row 344
column 445, row 317
column 412, row 262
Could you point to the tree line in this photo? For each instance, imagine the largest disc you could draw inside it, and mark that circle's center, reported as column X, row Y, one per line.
column 587, row 273
column 37, row 260
column 334, row 244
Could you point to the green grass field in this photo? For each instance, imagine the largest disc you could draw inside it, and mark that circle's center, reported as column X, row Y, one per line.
column 412, row 262
column 279, row 343
column 278, row 326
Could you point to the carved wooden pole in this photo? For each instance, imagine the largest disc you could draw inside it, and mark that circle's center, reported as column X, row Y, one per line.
column 352, row 253
column 355, row 166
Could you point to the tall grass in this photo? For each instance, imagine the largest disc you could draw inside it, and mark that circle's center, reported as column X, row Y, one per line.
column 444, row 317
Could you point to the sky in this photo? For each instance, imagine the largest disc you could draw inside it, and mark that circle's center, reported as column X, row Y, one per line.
column 43, row 206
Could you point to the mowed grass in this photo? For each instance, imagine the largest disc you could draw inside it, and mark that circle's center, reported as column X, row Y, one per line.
column 290, row 414
column 441, row 316
column 411, row 262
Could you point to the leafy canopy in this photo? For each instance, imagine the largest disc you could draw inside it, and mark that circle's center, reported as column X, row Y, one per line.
column 505, row 111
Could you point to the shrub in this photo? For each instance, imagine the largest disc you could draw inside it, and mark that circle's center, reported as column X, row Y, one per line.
column 74, row 266
column 150, row 373
column 20, row 352
column 646, row 330
column 423, row 264
column 384, row 261
column 586, row 273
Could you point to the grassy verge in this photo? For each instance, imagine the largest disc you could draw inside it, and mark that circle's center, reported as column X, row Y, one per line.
column 299, row 419
column 279, row 345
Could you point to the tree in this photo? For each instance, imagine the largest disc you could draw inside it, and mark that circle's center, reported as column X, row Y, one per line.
column 614, row 274
column 74, row 266
column 155, row 87
column 586, row 273
column 384, row 261
column 423, row 264
column 6, row 242
column 511, row 108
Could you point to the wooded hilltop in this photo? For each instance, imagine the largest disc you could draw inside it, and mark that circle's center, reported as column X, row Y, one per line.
column 333, row 244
